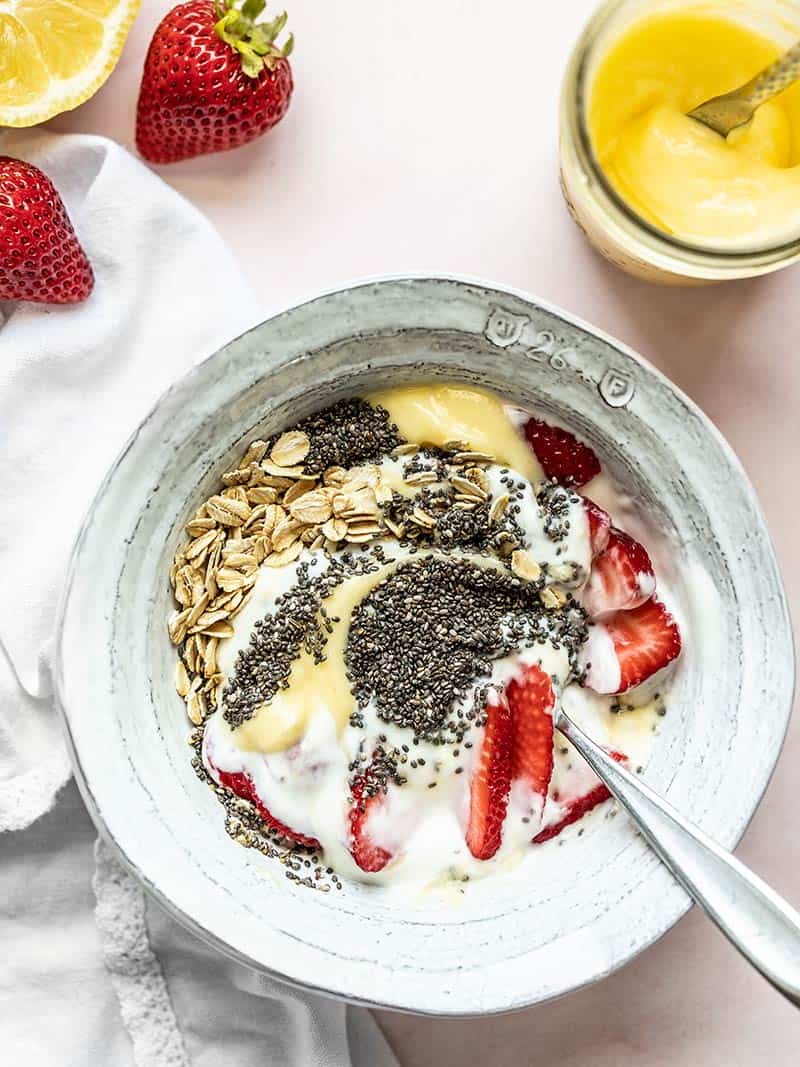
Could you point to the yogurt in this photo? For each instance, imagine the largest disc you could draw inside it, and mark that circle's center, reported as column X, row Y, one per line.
column 303, row 748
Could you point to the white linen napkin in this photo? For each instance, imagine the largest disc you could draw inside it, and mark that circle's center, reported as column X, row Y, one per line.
column 74, row 383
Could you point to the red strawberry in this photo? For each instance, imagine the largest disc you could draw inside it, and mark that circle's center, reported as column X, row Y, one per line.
column 368, row 855
column 577, row 807
column 213, row 79
column 491, row 783
column 40, row 256
column 625, row 649
column 242, row 785
column 561, row 455
column 621, row 577
column 599, row 526
column 531, row 699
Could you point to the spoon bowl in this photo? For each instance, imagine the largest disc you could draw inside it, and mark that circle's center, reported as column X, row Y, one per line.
column 730, row 110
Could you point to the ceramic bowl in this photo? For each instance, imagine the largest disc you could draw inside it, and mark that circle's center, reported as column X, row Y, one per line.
column 601, row 897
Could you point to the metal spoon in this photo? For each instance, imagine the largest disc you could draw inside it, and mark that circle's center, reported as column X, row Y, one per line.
column 724, row 113
column 758, row 922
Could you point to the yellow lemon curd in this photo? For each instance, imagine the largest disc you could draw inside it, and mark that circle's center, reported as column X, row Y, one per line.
column 730, row 193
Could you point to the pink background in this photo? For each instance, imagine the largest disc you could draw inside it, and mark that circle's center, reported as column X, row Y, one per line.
column 423, row 137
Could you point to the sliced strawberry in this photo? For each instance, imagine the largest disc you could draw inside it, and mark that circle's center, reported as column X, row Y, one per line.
column 626, row 648
column 242, row 785
column 531, row 699
column 576, row 807
column 491, row 783
column 561, row 455
column 368, row 855
column 599, row 526
column 621, row 577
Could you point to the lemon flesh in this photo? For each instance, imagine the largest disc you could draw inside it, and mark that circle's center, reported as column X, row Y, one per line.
column 55, row 54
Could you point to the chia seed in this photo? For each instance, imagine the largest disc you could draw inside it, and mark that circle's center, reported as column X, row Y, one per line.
column 555, row 502
column 296, row 625
column 346, row 434
column 245, row 826
column 420, row 639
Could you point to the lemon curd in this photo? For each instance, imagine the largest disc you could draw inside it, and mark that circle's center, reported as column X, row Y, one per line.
column 436, row 414
column 738, row 193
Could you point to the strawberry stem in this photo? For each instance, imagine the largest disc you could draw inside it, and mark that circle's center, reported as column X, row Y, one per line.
column 254, row 41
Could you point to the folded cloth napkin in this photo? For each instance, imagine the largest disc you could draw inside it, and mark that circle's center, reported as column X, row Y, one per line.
column 74, row 383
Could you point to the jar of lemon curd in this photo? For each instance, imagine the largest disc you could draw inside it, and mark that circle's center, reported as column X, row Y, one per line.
column 656, row 192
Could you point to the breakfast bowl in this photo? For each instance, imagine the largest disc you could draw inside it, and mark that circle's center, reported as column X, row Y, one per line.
column 596, row 897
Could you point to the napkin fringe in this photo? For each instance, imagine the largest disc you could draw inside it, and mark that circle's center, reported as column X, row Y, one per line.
column 136, row 974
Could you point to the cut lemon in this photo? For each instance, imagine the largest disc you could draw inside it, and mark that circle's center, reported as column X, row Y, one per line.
column 55, row 54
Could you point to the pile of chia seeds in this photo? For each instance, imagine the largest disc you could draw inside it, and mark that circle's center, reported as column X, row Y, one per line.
column 346, row 434
column 420, row 639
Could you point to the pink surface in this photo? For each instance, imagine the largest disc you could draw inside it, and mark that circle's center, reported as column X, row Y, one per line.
column 422, row 137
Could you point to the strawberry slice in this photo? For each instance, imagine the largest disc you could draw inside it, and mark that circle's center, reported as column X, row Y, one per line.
column 576, row 807
column 368, row 855
column 491, row 783
column 242, row 785
column 561, row 455
column 531, row 699
column 599, row 526
column 621, row 578
column 628, row 647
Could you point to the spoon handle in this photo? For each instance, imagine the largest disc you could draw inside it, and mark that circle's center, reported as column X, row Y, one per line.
column 774, row 78
column 754, row 918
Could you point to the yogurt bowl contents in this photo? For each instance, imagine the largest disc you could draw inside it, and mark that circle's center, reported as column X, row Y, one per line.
column 376, row 615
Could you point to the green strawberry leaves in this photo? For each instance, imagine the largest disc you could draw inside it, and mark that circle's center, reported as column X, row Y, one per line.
column 254, row 41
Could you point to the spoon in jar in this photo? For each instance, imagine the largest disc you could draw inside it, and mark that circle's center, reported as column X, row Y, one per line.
column 754, row 918
column 724, row 113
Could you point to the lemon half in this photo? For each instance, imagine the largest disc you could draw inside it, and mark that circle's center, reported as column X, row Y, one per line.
column 54, row 54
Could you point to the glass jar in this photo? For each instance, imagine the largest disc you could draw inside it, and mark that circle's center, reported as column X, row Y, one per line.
column 609, row 223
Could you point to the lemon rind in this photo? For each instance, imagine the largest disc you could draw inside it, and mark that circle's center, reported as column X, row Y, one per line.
column 88, row 81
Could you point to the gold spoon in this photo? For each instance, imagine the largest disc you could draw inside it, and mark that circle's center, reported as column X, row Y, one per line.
column 724, row 113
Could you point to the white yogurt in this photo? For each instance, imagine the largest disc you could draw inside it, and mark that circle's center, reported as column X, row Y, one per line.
column 307, row 786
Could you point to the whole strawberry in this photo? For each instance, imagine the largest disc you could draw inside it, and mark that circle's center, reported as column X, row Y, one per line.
column 213, row 79
column 40, row 257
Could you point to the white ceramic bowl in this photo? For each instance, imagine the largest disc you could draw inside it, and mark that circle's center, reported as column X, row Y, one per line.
column 601, row 897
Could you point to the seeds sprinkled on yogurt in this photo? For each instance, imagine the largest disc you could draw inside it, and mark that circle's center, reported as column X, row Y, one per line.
column 466, row 575
column 424, row 635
